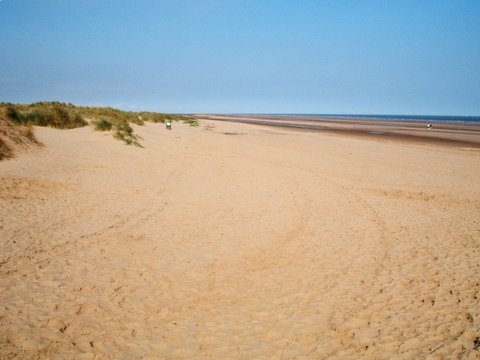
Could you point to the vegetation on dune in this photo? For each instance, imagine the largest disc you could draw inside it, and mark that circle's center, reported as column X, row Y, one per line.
column 6, row 151
column 68, row 116
column 138, row 118
column 102, row 125
column 110, row 114
column 162, row 118
column 55, row 115
column 124, row 131
column 14, row 137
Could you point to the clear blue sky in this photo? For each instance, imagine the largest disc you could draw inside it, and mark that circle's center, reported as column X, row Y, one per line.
column 338, row 56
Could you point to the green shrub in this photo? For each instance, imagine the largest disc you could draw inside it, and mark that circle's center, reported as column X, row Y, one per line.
column 190, row 121
column 124, row 128
column 56, row 116
column 40, row 117
column 78, row 119
column 102, row 125
column 124, row 132
column 153, row 117
column 63, row 119
column 14, row 115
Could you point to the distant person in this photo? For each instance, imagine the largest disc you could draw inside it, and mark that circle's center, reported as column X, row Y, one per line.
column 429, row 126
column 168, row 124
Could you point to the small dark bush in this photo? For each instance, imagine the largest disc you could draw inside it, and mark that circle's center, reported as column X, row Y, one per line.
column 14, row 115
column 124, row 128
column 123, row 131
column 102, row 125
column 40, row 117
column 79, row 120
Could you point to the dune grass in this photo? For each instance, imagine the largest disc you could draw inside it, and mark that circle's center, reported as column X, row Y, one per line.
column 102, row 125
column 6, row 151
column 124, row 132
column 68, row 116
column 15, row 137
column 54, row 115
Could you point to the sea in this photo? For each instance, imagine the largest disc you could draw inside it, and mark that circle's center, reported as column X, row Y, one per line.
column 419, row 118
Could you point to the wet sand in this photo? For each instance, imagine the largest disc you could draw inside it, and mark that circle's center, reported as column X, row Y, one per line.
column 239, row 241
column 444, row 133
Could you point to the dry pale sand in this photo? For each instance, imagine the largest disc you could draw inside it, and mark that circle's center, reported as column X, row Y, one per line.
column 235, row 241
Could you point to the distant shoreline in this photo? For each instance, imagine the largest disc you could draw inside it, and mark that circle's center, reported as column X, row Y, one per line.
column 443, row 132
column 377, row 117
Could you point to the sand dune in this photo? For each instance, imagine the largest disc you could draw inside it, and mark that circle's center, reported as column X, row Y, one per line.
column 231, row 241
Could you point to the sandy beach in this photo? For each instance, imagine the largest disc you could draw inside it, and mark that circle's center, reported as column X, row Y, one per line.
column 441, row 132
column 239, row 241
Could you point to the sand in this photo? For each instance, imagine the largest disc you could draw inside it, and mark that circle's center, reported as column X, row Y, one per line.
column 236, row 241
column 445, row 133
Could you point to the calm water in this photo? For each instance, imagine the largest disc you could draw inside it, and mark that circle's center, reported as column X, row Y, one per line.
column 422, row 118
